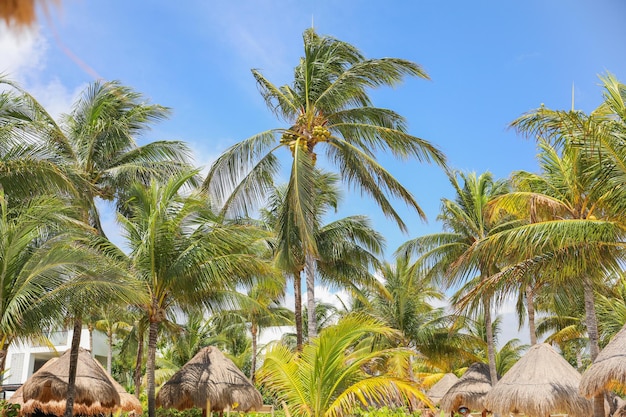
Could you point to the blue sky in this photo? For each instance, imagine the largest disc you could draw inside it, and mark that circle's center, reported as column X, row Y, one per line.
column 489, row 62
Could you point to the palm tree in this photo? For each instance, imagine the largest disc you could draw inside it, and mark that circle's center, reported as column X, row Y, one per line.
column 35, row 258
column 99, row 279
column 329, row 376
column 260, row 310
column 184, row 255
column 347, row 247
column 326, row 107
column 404, row 304
column 466, row 222
column 570, row 200
column 111, row 322
column 93, row 152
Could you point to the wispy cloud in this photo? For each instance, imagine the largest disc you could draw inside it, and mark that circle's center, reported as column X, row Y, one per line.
column 23, row 52
column 24, row 60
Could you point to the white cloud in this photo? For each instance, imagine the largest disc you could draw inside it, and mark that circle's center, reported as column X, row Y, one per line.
column 56, row 97
column 24, row 58
column 23, row 52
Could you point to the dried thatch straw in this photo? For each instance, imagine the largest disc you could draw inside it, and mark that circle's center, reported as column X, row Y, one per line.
column 608, row 369
column 18, row 12
column 468, row 391
column 21, row 13
column 128, row 402
column 437, row 391
column 210, row 378
column 46, row 389
column 539, row 384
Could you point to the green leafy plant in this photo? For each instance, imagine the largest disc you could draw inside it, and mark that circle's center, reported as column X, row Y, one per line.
column 8, row 409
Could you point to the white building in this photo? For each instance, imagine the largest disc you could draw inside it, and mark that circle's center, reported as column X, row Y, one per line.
column 23, row 359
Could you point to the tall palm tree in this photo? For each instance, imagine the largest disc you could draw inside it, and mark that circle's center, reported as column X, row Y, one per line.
column 578, row 213
column 347, row 247
column 404, row 304
column 329, row 377
column 92, row 152
column 112, row 322
column 100, row 279
column 326, row 107
column 259, row 311
column 184, row 254
column 35, row 258
column 466, row 222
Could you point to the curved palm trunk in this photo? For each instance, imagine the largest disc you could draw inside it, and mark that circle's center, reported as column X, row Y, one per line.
column 71, row 379
column 297, row 293
column 4, row 350
column 592, row 331
column 110, row 352
column 530, row 306
column 310, row 294
column 254, row 332
column 138, row 363
column 90, row 328
column 150, row 368
column 491, row 350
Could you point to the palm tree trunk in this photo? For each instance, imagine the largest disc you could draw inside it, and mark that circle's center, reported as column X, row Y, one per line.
column 110, row 352
column 592, row 331
column 3, row 357
column 90, row 328
column 297, row 293
column 491, row 350
column 254, row 332
column 310, row 296
column 138, row 362
column 71, row 378
column 150, row 367
column 530, row 305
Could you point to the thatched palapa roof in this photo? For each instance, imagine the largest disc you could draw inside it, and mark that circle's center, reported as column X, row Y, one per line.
column 46, row 389
column 608, row 368
column 21, row 13
column 541, row 383
column 468, row 391
column 210, row 377
column 128, row 402
column 438, row 390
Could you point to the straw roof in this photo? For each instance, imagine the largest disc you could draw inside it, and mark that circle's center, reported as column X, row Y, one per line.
column 46, row 389
column 21, row 13
column 210, row 377
column 541, row 383
column 18, row 12
column 128, row 402
column 468, row 391
column 437, row 391
column 608, row 368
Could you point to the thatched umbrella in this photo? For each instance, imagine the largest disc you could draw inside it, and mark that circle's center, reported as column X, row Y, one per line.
column 541, row 383
column 46, row 389
column 128, row 402
column 210, row 381
column 609, row 367
column 21, row 13
column 437, row 391
column 469, row 391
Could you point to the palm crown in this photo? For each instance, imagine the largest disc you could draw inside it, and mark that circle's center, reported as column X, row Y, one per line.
column 326, row 105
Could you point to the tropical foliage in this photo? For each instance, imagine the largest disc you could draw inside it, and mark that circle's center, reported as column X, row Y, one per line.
column 196, row 270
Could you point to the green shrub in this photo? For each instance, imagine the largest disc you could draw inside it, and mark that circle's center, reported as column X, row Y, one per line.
column 8, row 409
column 172, row 412
column 387, row 412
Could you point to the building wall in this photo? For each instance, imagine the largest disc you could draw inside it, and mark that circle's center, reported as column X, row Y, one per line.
column 24, row 358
